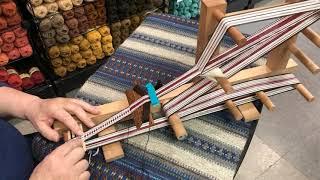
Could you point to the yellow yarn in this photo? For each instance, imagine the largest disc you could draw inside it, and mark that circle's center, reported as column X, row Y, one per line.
column 65, row 50
column 74, row 48
column 93, row 36
column 54, row 52
column 104, row 30
column 86, row 54
column 77, row 40
column 76, row 57
column 106, row 39
column 84, row 45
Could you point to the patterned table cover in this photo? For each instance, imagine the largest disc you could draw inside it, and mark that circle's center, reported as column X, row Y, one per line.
column 162, row 48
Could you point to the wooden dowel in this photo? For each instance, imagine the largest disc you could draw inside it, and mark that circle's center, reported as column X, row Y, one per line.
column 249, row 112
column 266, row 100
column 234, row 110
column 178, row 127
column 114, row 150
column 233, row 32
column 312, row 36
column 225, row 84
column 304, row 59
column 304, row 92
column 66, row 136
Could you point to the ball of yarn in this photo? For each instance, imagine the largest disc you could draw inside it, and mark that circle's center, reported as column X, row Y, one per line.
column 96, row 45
column 84, row 28
column 87, row 53
column 26, row 51
column 84, row 45
column 56, row 62
column 13, row 54
column 6, row 47
column 45, row 25
column 60, row 71
column 40, row 11
column 4, row 59
column 52, row 7
column 8, row 8
column 72, row 23
column 20, row 32
column 91, row 60
column 1, row 42
column 77, row 2
column 93, row 36
column 76, row 57
column 8, row 37
column 14, row 79
column 63, row 38
column 78, row 11
column 92, row 24
column 106, row 39
column 22, row 41
column 100, row 55
column 107, row 47
column 54, row 52
column 36, row 2
column 74, row 32
column 116, row 26
column 74, row 48
column 36, row 75
column 89, row 8
column 71, row 67
column 49, row 42
column 65, row 5
column 116, row 41
column 57, row 20
column 82, row 21
column 82, row 64
column 101, row 21
column 104, row 30
column 3, row 23
column 3, row 73
column 63, row 30
column 68, row 14
column 27, row 83
column 125, row 23
column 77, row 40
column 48, row 34
column 14, row 20
column 99, row 3
column 65, row 50
column 66, row 61
column 101, row 11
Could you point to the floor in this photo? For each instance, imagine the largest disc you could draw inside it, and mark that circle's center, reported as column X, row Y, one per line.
column 286, row 144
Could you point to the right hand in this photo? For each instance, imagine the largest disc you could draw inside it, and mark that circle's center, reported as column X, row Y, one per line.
column 64, row 163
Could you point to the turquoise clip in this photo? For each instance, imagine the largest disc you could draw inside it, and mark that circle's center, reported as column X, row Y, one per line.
column 152, row 94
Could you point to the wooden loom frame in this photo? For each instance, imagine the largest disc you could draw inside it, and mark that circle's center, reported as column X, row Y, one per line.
column 212, row 11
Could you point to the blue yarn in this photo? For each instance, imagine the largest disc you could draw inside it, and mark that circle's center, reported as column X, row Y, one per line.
column 152, row 94
column 187, row 2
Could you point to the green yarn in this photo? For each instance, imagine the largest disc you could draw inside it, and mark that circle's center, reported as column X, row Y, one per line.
column 185, row 8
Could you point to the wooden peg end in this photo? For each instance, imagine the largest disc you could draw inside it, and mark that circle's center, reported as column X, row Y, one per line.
column 312, row 36
column 266, row 100
column 304, row 59
column 237, row 36
column 305, row 92
column 249, row 112
column 225, row 84
column 234, row 110
column 178, row 127
column 114, row 150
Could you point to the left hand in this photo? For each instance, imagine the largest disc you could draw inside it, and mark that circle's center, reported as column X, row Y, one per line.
column 43, row 112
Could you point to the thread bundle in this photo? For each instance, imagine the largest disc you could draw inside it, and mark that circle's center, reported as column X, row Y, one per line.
column 186, row 8
column 23, row 81
column 81, row 51
column 9, row 15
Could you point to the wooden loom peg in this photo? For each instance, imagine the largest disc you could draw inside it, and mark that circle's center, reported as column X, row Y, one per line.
column 266, row 100
column 132, row 96
column 249, row 112
column 304, row 92
column 66, row 136
column 234, row 110
column 304, row 59
column 312, row 36
column 234, row 33
column 114, row 150
column 217, row 75
column 177, row 126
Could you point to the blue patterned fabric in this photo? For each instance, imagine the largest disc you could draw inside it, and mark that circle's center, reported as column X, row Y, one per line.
column 162, row 48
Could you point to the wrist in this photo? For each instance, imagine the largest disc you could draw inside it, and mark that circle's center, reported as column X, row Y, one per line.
column 31, row 104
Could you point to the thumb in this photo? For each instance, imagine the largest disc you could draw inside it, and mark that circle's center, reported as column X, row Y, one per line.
column 48, row 132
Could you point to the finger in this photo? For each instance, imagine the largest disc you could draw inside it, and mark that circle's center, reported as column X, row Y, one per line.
column 84, row 176
column 64, row 117
column 75, row 155
column 81, row 166
column 75, row 109
column 87, row 107
column 48, row 132
column 67, row 147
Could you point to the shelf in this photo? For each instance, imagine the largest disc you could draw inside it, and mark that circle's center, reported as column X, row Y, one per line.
column 44, row 90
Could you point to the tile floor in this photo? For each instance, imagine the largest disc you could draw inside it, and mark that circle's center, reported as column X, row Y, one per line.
column 286, row 144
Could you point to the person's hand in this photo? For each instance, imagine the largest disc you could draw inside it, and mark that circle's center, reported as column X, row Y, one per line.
column 43, row 112
column 64, row 163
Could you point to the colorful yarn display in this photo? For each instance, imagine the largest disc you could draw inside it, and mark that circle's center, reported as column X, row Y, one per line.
column 185, row 8
column 9, row 15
